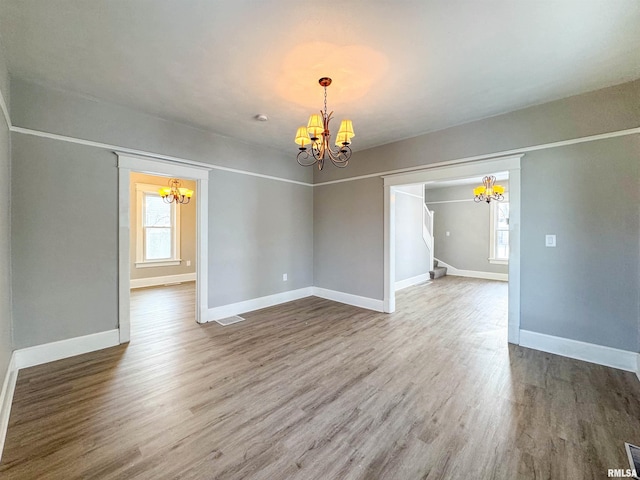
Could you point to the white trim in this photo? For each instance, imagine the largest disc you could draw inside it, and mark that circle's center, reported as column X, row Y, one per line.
column 6, row 398
column 449, row 201
column 421, row 197
column 127, row 164
column 7, row 118
column 408, row 282
column 224, row 311
column 638, row 367
column 159, row 263
column 453, row 172
column 120, row 151
column 588, row 352
column 456, row 272
column 498, row 261
column 162, row 280
column 50, row 352
column 349, row 299
column 131, row 151
column 521, row 151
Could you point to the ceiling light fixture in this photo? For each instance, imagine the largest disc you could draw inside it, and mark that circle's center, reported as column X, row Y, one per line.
column 488, row 190
column 175, row 193
column 316, row 135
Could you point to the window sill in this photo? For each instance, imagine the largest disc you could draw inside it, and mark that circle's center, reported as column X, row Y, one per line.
column 498, row 261
column 160, row 263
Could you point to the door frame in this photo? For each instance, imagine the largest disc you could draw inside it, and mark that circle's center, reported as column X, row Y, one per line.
column 128, row 163
column 455, row 172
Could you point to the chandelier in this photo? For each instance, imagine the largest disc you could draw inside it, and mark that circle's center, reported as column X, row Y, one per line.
column 488, row 190
column 175, row 193
column 314, row 140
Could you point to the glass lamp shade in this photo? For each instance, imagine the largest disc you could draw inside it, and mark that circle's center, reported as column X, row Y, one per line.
column 499, row 189
column 185, row 192
column 346, row 129
column 302, row 137
column 165, row 191
column 478, row 191
column 315, row 126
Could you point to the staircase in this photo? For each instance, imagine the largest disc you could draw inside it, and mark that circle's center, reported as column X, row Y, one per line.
column 437, row 271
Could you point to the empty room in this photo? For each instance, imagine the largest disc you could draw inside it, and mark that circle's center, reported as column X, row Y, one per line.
column 341, row 240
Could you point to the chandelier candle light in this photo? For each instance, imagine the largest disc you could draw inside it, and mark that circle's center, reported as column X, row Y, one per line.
column 488, row 190
column 175, row 193
column 314, row 139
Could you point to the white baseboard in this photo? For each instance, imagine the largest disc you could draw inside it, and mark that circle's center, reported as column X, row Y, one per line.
column 6, row 399
column 50, row 352
column 409, row 282
column 156, row 281
column 349, row 299
column 456, row 272
column 224, row 311
column 589, row 352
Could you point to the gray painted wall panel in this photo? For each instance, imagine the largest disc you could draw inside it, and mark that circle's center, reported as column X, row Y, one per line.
column 605, row 110
column 258, row 230
column 64, row 240
column 348, row 237
column 587, row 287
column 6, row 340
column 412, row 254
column 54, row 111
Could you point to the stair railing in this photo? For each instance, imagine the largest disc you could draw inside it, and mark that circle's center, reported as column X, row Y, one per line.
column 427, row 231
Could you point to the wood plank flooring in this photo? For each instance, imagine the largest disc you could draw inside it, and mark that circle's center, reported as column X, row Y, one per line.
column 318, row 390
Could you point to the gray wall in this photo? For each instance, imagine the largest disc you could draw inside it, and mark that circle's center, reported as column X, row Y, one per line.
column 353, row 210
column 587, row 287
column 65, row 241
column 468, row 244
column 187, row 230
column 6, row 342
column 412, row 254
column 347, row 237
column 259, row 229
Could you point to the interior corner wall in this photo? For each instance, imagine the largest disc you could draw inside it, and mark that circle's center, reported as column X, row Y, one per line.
column 65, row 214
column 467, row 247
column 6, row 336
column 586, row 193
column 187, row 230
column 412, row 254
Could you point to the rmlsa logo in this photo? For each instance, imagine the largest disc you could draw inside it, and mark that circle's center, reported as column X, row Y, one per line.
column 622, row 473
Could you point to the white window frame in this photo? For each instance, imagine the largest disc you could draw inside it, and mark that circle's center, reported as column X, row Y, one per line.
column 143, row 189
column 492, row 232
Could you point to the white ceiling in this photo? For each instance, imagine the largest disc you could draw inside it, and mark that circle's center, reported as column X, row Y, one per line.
column 400, row 68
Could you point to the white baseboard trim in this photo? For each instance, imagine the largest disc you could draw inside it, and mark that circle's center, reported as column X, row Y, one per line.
column 349, row 299
column 224, row 311
column 50, row 352
column 164, row 280
column 6, row 399
column 589, row 352
column 409, row 282
column 456, row 272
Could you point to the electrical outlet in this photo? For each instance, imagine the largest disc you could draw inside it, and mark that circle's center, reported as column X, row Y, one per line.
column 550, row 240
column 188, row 263
column 448, row 234
column 284, row 277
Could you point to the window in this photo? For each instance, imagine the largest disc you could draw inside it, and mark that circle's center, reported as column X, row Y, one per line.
column 499, row 249
column 158, row 229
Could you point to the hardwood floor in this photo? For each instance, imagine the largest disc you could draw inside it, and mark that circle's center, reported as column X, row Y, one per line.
column 318, row 390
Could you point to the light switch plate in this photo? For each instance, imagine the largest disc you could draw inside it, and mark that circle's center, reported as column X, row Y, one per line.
column 550, row 240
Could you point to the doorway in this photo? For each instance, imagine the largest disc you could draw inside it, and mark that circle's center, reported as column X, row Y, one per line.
column 200, row 175
column 452, row 173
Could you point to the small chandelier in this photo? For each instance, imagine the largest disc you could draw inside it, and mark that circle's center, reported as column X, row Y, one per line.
column 175, row 193
column 488, row 190
column 316, row 135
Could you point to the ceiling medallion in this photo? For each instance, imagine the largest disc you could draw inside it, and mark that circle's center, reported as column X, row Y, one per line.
column 316, row 135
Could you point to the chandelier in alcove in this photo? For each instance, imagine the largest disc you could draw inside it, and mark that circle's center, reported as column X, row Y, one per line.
column 488, row 190
column 175, row 192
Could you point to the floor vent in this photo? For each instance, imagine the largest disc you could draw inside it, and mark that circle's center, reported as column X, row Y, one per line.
column 230, row 320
